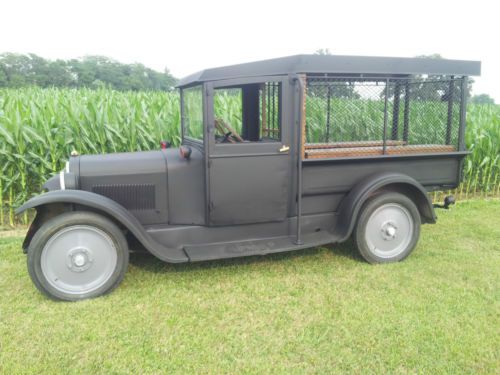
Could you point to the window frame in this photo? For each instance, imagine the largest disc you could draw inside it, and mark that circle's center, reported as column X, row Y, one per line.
column 186, row 139
column 247, row 148
column 215, row 89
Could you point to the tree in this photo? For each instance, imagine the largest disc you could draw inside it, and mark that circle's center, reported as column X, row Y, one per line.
column 432, row 87
column 3, row 76
column 18, row 70
column 325, row 88
column 437, row 87
column 323, row 51
column 482, row 99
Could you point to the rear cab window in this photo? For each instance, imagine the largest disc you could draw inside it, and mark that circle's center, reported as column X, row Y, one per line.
column 248, row 113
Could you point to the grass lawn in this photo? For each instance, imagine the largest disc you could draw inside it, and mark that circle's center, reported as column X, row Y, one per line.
column 320, row 310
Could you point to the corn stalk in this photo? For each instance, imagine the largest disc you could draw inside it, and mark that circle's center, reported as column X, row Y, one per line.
column 40, row 127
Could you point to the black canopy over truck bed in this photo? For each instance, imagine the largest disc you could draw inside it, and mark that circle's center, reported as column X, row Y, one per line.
column 276, row 155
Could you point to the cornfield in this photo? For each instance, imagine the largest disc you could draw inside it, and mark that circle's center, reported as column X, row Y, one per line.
column 40, row 127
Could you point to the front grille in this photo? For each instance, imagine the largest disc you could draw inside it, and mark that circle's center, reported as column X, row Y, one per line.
column 130, row 196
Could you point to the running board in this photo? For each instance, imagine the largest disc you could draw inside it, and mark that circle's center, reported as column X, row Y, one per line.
column 224, row 250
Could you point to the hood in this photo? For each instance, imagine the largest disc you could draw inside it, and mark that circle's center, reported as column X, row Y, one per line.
column 135, row 180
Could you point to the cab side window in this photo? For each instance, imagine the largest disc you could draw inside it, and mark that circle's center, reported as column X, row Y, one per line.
column 248, row 113
column 192, row 113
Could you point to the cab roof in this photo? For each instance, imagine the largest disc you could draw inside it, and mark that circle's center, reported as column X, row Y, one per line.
column 337, row 64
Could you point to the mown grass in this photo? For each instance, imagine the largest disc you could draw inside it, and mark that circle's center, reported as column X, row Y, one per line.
column 321, row 310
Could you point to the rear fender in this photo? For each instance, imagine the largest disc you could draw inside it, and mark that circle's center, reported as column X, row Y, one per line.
column 106, row 206
column 351, row 205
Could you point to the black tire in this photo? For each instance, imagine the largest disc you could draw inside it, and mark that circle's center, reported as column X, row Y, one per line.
column 65, row 223
column 366, row 233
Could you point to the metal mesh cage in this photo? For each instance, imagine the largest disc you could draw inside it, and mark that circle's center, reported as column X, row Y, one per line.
column 378, row 116
column 270, row 94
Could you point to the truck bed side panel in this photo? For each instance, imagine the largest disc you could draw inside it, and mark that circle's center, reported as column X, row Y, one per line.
column 325, row 182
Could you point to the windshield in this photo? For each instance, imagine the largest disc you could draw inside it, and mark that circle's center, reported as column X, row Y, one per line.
column 192, row 112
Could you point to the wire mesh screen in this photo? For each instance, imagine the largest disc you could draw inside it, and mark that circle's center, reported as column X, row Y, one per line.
column 270, row 94
column 358, row 116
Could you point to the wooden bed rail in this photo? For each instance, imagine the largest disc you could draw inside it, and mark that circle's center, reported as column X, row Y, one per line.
column 314, row 146
column 394, row 149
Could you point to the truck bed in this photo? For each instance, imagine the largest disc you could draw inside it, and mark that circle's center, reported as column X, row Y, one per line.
column 327, row 180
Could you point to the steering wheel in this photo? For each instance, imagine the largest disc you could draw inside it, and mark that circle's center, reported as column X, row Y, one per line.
column 230, row 135
column 226, row 139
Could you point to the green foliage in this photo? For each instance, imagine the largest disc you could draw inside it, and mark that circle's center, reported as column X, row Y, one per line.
column 482, row 167
column 423, row 93
column 339, row 90
column 228, row 107
column 193, row 112
column 40, row 127
column 317, row 311
column 482, row 99
column 362, row 124
column 91, row 71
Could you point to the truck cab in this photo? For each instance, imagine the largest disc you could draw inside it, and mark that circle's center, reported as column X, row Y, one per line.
column 276, row 155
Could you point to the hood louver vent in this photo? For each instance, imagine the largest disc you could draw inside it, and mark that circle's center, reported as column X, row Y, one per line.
column 130, row 196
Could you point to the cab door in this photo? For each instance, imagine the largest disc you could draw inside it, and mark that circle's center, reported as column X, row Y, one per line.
column 249, row 163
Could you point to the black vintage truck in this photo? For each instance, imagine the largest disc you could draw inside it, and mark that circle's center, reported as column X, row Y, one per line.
column 311, row 150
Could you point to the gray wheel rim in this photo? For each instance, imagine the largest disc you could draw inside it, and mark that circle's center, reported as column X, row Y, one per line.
column 79, row 259
column 389, row 230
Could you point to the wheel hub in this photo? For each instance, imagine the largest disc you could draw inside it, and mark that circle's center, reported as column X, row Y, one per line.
column 389, row 230
column 79, row 259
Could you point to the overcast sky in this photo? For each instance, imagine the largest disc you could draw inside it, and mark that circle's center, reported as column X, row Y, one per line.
column 187, row 36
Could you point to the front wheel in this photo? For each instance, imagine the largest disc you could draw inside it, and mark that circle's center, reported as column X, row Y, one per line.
column 77, row 255
column 388, row 228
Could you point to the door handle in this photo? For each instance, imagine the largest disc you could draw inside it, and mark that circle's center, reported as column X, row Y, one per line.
column 284, row 148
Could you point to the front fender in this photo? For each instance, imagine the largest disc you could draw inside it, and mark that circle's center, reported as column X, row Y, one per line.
column 351, row 205
column 113, row 209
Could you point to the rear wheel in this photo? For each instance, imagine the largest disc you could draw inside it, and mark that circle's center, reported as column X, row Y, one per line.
column 388, row 228
column 77, row 255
